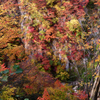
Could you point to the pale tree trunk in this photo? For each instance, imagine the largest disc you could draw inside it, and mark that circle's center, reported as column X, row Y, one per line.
column 23, row 19
column 96, row 86
column 24, row 28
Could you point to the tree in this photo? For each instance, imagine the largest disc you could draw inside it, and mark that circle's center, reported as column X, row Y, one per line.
column 56, row 35
column 11, row 46
column 52, row 27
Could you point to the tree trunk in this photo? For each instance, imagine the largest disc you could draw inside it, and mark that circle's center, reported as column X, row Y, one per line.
column 96, row 86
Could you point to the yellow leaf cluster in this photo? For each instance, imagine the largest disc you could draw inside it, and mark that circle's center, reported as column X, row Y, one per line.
column 7, row 93
column 98, row 59
column 72, row 24
column 87, row 46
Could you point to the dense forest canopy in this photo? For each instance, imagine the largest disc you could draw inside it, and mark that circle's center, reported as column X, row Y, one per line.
column 46, row 46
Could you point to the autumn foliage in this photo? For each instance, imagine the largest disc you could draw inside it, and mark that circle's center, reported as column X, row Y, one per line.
column 44, row 41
